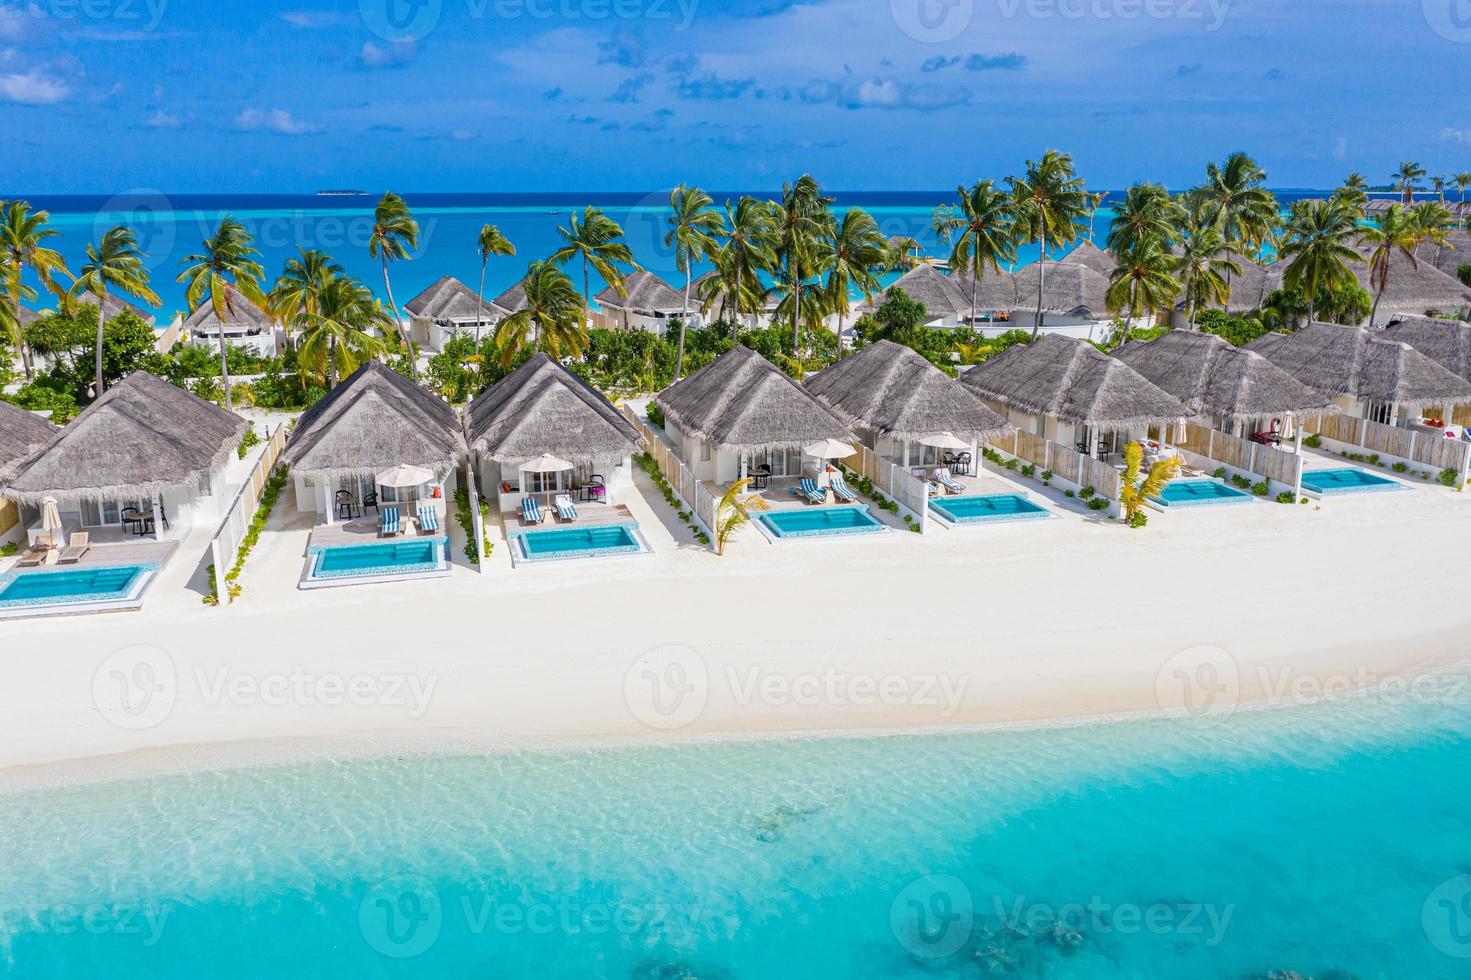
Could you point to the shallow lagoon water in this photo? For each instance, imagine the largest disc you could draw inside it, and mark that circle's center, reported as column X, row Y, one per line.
column 1331, row 837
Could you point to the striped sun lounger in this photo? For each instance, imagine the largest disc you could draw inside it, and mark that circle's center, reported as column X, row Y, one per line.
column 428, row 519
column 530, row 510
column 840, row 487
column 388, row 522
column 565, row 510
column 808, row 488
column 950, row 483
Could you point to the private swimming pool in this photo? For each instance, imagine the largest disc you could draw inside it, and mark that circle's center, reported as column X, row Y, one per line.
column 75, row 589
column 380, row 561
column 595, row 541
column 818, row 521
column 987, row 508
column 1348, row 479
column 1201, row 493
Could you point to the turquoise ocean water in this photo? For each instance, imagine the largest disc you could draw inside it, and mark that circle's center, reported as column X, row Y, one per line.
column 1332, row 840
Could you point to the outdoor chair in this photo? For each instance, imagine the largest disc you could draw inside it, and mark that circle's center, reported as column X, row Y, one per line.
column 808, row 488
column 76, row 548
column 428, row 519
column 345, row 505
column 530, row 511
column 947, row 480
column 389, row 522
column 961, row 464
column 566, row 510
column 842, row 490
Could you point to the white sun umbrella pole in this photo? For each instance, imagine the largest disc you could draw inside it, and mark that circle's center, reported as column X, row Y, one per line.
column 828, row 449
column 403, row 476
column 547, row 463
column 51, row 526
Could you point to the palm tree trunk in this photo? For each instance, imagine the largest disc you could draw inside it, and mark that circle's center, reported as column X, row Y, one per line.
column 1374, row 310
column 398, row 322
column 101, row 319
column 1041, row 281
column 26, row 360
column 975, row 276
column 225, row 366
column 796, row 308
column 586, row 291
column 684, row 315
column 331, row 362
column 1129, row 313
column 480, row 304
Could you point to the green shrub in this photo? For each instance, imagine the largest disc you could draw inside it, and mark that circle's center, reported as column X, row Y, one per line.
column 1313, row 441
column 1399, row 467
column 466, row 520
column 1372, row 459
column 9, row 548
column 1261, row 489
column 1046, row 476
column 1068, row 493
column 1098, row 503
column 250, row 439
column 1220, row 473
column 1240, row 482
column 1087, row 493
column 655, row 414
column 1029, row 471
column 1139, row 519
column 1286, row 497
column 1012, row 463
column 1448, row 478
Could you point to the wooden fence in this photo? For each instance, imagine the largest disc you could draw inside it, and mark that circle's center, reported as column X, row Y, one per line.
column 701, row 502
column 908, row 490
column 1067, row 465
column 1236, row 453
column 1430, row 449
column 225, row 545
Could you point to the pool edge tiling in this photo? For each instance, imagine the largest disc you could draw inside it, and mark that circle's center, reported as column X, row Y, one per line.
column 118, row 600
column 1375, row 484
column 520, row 554
column 1233, row 496
column 769, row 522
column 942, row 511
column 313, row 577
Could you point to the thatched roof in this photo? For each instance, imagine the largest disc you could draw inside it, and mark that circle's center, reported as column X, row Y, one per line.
column 21, row 433
column 1417, row 287
column 513, row 300
column 240, row 312
column 1446, row 342
column 647, row 293
column 995, row 292
column 1095, row 258
column 1069, row 288
column 541, row 407
column 375, row 420
column 1215, row 378
column 450, row 299
column 740, row 402
column 142, row 438
column 28, row 316
column 115, row 305
column 1073, row 381
column 891, row 390
column 1450, row 257
column 1357, row 363
column 925, row 284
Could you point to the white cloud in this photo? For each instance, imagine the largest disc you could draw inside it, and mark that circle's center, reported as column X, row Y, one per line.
column 32, row 88
column 386, row 56
column 275, row 121
column 162, row 119
column 464, row 135
column 314, row 19
column 1453, row 135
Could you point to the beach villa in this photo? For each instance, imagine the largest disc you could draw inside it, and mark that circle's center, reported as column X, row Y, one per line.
column 21, row 433
column 909, row 412
column 939, row 294
column 1447, row 342
column 650, row 304
column 557, row 456
column 739, row 415
column 447, row 309
column 114, row 305
column 246, row 326
column 1415, row 289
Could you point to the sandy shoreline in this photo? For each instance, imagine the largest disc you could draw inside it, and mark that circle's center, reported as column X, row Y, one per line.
column 1050, row 623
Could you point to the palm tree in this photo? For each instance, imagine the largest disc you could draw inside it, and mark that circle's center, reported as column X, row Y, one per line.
column 748, row 250
column 491, row 242
column 733, row 511
column 1143, row 281
column 1404, row 181
column 23, row 234
column 337, row 332
column 1434, row 223
column 1095, row 201
column 298, row 291
column 800, row 217
column 1147, row 211
column 1048, row 206
column 226, row 258
column 1393, row 231
column 1462, row 181
column 395, row 232
column 847, row 256
column 1438, row 183
column 118, row 263
column 1133, row 491
column 595, row 239
column 1235, row 199
column 1317, row 249
column 552, row 317
column 1354, row 190
column 1205, row 266
column 986, row 234
column 693, row 225
column 947, row 221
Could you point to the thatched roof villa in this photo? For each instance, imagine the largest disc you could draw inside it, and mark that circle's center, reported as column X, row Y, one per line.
column 375, row 420
column 1450, row 257
column 145, row 444
column 1229, row 388
column 648, row 304
column 895, row 399
column 245, row 324
column 1095, row 258
column 938, row 293
column 1074, row 299
column 446, row 308
column 513, row 300
column 1071, row 393
column 113, row 305
column 21, row 433
column 1447, row 342
column 1415, row 288
column 1367, row 374
column 543, row 409
column 740, row 411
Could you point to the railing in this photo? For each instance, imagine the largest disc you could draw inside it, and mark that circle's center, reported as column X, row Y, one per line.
column 909, row 491
column 702, row 502
column 1429, row 449
column 225, row 545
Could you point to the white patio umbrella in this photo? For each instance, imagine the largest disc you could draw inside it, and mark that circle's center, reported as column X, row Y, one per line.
column 546, row 463
column 51, row 525
column 828, row 449
column 944, row 440
column 403, row 475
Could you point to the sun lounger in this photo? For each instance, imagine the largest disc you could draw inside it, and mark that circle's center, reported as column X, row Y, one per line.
column 389, row 523
column 844, row 492
column 808, row 488
column 428, row 519
column 76, row 548
column 530, row 511
column 944, row 479
column 565, row 510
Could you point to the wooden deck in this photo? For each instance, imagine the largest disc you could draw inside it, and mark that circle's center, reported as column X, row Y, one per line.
column 136, row 552
column 360, row 531
column 588, row 515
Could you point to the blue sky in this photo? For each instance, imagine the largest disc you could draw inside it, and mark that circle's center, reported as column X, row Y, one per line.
column 99, row 96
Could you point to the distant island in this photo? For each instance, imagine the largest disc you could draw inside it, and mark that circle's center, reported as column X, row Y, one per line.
column 342, row 193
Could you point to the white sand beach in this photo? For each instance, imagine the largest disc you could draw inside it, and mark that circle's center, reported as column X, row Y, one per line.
column 1044, row 621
